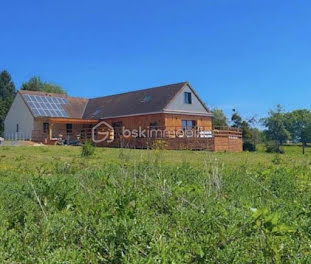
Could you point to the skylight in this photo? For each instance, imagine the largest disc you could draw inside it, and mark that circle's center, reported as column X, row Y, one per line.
column 146, row 99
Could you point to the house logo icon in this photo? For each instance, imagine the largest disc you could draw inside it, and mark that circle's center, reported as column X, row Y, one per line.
column 102, row 132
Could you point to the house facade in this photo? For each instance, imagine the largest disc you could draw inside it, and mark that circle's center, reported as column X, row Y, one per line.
column 171, row 115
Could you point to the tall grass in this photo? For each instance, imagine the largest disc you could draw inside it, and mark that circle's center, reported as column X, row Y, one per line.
column 149, row 211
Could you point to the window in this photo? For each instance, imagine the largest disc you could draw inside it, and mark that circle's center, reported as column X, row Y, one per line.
column 117, row 127
column 187, row 98
column 188, row 124
column 117, row 124
column 17, row 128
column 68, row 128
column 154, row 125
column 45, row 127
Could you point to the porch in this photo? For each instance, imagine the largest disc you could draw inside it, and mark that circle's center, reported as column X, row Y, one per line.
column 166, row 137
column 51, row 130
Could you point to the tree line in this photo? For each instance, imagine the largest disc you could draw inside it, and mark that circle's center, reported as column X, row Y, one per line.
column 280, row 127
column 8, row 92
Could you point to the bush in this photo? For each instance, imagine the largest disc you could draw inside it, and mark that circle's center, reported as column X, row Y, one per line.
column 87, row 149
column 274, row 147
column 249, row 146
column 159, row 144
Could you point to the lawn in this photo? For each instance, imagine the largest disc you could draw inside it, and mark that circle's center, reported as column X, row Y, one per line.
column 154, row 206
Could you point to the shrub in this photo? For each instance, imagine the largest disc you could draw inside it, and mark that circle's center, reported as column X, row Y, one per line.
column 159, row 144
column 249, row 146
column 87, row 149
column 274, row 147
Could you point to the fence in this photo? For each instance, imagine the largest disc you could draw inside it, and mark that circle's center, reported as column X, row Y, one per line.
column 18, row 136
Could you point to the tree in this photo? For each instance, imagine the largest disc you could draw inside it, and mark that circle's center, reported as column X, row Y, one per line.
column 219, row 119
column 275, row 127
column 298, row 124
column 250, row 135
column 7, row 88
column 236, row 119
column 238, row 122
column 7, row 94
column 3, row 110
column 305, row 136
column 36, row 84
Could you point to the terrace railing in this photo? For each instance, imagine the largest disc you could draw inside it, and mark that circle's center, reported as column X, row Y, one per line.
column 164, row 132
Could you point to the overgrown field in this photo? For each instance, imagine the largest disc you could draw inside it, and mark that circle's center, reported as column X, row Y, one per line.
column 139, row 206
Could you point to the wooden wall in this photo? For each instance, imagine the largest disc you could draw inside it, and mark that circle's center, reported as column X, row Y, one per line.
column 222, row 140
column 134, row 122
column 230, row 141
column 163, row 120
column 174, row 120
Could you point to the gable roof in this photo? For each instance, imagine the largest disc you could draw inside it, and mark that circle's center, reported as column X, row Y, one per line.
column 146, row 101
column 149, row 100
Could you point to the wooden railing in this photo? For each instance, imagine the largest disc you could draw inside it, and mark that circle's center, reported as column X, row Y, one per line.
column 74, row 134
column 227, row 128
column 169, row 132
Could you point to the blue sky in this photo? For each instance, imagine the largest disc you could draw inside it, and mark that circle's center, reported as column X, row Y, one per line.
column 244, row 54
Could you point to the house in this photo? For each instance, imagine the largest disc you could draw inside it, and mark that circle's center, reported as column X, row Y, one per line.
column 171, row 115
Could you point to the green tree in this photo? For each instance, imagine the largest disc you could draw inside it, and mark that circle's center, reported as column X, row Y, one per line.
column 36, row 84
column 7, row 94
column 3, row 110
column 250, row 135
column 275, row 127
column 298, row 124
column 219, row 118
column 236, row 119
column 7, row 88
column 305, row 136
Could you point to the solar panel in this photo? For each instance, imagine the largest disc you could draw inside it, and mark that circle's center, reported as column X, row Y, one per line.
column 46, row 105
column 35, row 112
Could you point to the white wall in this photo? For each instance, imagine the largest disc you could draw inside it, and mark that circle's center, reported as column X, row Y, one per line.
column 18, row 114
column 178, row 104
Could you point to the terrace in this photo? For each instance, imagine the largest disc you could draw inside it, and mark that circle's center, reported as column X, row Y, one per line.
column 168, row 137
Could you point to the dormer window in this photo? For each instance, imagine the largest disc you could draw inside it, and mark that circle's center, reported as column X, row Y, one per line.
column 187, row 98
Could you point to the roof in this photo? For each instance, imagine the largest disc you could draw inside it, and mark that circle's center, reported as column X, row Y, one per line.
column 137, row 102
column 151, row 100
column 73, row 106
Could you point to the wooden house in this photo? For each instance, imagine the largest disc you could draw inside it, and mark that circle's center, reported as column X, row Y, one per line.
column 171, row 116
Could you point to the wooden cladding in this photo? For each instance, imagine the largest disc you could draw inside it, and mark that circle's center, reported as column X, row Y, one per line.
column 216, row 140
column 161, row 120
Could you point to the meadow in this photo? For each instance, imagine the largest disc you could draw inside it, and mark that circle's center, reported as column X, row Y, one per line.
column 154, row 206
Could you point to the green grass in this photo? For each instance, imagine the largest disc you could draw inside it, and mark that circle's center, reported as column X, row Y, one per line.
column 143, row 206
